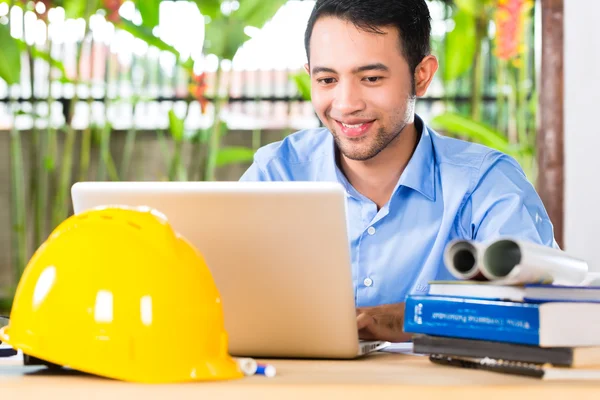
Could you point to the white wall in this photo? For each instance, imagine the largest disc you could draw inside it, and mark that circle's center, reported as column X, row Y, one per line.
column 582, row 130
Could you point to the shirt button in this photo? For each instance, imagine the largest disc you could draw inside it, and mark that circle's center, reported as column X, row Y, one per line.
column 371, row 230
column 368, row 282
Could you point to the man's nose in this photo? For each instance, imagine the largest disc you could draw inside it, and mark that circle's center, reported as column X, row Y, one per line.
column 348, row 99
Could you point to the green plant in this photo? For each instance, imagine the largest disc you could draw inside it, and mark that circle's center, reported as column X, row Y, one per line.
column 302, row 80
column 479, row 132
column 5, row 306
column 44, row 202
column 10, row 66
column 224, row 35
column 513, row 76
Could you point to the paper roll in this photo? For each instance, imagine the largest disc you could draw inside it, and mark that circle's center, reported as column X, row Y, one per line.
column 463, row 259
column 511, row 261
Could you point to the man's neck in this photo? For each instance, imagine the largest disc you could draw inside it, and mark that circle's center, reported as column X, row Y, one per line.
column 377, row 177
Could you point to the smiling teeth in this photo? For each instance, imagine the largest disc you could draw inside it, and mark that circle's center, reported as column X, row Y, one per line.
column 352, row 126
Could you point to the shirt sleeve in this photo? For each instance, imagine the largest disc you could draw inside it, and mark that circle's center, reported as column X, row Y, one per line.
column 505, row 203
column 254, row 174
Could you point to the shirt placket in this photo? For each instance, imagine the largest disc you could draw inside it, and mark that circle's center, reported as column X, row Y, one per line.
column 364, row 281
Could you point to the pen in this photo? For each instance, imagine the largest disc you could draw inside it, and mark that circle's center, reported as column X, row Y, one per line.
column 488, row 364
column 267, row 370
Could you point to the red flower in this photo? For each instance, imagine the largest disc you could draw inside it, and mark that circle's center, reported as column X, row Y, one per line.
column 112, row 9
column 198, row 88
column 510, row 20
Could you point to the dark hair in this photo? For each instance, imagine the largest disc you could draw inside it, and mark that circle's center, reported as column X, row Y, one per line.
column 410, row 17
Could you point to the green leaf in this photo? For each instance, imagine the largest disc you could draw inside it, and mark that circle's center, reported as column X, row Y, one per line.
column 6, row 305
column 44, row 55
column 468, row 6
column 77, row 8
column 234, row 155
column 235, row 39
column 149, row 10
column 223, row 129
column 223, row 37
column 187, row 65
column 10, row 57
column 209, row 8
column 64, row 79
column 258, row 12
column 302, row 80
column 248, row 7
column 476, row 131
column 176, row 126
column 460, row 46
column 49, row 164
column 202, row 135
column 74, row 8
column 145, row 33
column 214, row 37
column 476, row 8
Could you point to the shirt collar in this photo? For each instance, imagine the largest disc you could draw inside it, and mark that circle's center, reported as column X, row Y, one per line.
column 418, row 174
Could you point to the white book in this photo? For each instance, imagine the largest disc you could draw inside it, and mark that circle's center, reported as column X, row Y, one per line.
column 528, row 292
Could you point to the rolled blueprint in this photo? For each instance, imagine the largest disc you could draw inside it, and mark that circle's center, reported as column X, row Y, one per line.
column 592, row 279
column 509, row 261
column 463, row 259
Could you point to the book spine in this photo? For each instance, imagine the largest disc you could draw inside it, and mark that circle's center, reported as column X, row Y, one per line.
column 472, row 319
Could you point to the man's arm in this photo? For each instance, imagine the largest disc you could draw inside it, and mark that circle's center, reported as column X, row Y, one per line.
column 505, row 203
column 254, row 174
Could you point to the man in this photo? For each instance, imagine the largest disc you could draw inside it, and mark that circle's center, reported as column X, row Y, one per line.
column 409, row 190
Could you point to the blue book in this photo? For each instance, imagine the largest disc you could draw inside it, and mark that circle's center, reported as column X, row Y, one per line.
column 553, row 324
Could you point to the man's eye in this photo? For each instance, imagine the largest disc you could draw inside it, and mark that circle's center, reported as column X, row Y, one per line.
column 373, row 79
column 325, row 81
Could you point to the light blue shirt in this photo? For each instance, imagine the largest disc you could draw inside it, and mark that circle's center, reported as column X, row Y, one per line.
column 450, row 189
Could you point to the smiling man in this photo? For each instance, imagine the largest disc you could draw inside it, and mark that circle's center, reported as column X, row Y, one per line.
column 409, row 190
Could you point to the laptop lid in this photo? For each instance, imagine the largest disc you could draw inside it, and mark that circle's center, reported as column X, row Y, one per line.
column 278, row 252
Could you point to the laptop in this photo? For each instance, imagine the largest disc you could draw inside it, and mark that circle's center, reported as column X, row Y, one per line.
column 278, row 252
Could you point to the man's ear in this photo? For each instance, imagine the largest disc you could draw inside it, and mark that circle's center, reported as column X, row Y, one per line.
column 307, row 68
column 424, row 74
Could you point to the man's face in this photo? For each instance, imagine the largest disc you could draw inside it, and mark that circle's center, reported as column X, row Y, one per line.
column 361, row 86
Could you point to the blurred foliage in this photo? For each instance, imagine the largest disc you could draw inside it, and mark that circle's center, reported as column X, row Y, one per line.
column 505, row 28
column 32, row 201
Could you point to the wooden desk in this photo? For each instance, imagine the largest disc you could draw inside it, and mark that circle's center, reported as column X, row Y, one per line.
column 381, row 375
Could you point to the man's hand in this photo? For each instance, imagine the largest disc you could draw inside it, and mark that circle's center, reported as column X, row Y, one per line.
column 382, row 323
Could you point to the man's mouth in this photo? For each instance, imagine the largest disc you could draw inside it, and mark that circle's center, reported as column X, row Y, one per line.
column 354, row 129
column 353, row 126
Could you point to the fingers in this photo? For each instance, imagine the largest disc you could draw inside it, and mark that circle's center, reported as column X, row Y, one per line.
column 363, row 320
column 366, row 334
column 365, row 323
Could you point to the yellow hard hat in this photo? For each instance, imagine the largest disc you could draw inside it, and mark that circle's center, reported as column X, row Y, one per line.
column 117, row 293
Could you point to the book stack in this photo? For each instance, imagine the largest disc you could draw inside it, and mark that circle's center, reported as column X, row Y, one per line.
column 539, row 317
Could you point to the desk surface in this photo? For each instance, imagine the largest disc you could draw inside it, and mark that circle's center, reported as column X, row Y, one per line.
column 380, row 374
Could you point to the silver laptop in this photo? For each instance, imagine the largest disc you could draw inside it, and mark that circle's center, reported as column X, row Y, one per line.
column 278, row 252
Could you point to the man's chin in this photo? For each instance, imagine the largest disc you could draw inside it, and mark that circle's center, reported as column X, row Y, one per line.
column 357, row 154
